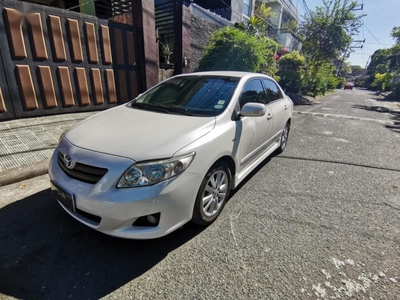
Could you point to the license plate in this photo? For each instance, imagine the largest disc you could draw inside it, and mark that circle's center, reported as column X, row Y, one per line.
column 66, row 199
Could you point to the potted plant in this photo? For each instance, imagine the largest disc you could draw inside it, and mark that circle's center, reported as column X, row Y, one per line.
column 167, row 48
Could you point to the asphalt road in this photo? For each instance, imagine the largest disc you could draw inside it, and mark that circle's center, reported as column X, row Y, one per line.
column 319, row 221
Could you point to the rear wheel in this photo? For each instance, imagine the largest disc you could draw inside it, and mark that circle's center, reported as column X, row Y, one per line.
column 284, row 138
column 212, row 195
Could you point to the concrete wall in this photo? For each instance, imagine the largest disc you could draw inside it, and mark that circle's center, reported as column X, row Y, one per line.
column 200, row 36
column 237, row 8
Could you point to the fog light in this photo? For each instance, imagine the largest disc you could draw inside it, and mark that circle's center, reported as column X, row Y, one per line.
column 148, row 220
column 152, row 219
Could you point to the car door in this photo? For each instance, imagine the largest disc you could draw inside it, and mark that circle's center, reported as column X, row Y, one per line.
column 279, row 105
column 253, row 129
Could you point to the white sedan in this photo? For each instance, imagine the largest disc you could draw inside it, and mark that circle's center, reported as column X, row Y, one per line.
column 143, row 169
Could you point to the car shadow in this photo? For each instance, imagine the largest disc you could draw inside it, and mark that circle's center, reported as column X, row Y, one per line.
column 45, row 253
column 394, row 115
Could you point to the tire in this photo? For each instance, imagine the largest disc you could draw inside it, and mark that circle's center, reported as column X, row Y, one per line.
column 215, row 188
column 283, row 139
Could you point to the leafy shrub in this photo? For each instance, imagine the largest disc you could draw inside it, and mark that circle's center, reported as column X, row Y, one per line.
column 341, row 82
column 323, row 81
column 292, row 61
column 232, row 49
column 238, row 49
column 382, row 82
column 335, row 82
column 269, row 66
column 290, row 81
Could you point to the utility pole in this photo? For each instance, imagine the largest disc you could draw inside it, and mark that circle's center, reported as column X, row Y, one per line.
column 356, row 44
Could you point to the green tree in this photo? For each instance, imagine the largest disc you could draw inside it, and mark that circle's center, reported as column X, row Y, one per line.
column 326, row 36
column 396, row 34
column 379, row 62
column 345, row 68
column 357, row 70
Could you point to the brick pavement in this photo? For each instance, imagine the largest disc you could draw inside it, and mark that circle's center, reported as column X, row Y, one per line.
column 27, row 141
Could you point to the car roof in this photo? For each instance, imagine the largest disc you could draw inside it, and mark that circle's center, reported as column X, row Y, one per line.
column 226, row 73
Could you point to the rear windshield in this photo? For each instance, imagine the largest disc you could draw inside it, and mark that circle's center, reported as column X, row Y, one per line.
column 195, row 95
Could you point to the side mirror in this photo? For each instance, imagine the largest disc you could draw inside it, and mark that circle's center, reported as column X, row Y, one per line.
column 253, row 109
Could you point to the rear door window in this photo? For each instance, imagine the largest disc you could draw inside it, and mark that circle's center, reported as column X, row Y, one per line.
column 272, row 90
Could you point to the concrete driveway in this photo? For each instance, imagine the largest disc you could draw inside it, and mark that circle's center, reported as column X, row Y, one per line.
column 319, row 221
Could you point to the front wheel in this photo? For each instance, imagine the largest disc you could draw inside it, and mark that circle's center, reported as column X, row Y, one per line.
column 212, row 195
column 284, row 138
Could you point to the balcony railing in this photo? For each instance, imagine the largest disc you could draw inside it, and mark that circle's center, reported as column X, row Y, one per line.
column 289, row 40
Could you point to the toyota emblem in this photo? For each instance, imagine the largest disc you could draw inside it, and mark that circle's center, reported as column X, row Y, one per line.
column 68, row 162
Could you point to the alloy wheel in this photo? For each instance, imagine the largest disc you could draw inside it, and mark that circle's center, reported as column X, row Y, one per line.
column 284, row 136
column 215, row 192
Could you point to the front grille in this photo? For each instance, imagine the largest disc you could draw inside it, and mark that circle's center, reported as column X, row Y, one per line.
column 82, row 172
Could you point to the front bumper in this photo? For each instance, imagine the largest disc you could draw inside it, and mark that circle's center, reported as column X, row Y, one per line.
column 119, row 208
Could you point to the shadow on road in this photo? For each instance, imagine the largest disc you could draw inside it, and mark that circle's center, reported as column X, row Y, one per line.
column 394, row 115
column 300, row 100
column 45, row 253
column 384, row 97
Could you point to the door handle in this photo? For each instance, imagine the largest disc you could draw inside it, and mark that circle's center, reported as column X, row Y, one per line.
column 269, row 117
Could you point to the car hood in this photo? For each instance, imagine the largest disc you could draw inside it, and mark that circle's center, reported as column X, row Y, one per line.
column 138, row 134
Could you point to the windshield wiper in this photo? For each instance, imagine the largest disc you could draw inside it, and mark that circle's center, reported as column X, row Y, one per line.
column 147, row 106
column 180, row 110
column 161, row 108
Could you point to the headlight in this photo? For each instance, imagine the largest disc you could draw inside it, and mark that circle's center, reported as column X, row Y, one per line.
column 149, row 173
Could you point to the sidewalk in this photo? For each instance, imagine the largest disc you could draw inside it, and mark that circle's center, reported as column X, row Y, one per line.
column 26, row 143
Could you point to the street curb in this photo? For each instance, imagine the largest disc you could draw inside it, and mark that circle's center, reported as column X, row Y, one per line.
column 23, row 173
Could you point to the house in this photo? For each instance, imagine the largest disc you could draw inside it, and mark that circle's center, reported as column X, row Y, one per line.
column 240, row 10
column 234, row 11
column 284, row 13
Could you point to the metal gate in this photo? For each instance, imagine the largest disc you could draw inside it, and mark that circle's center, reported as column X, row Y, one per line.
column 128, row 60
column 57, row 61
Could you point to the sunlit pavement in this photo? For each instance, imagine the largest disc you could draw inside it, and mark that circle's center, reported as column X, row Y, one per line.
column 318, row 221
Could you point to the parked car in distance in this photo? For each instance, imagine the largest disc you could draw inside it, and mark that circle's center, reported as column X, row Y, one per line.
column 143, row 169
column 349, row 85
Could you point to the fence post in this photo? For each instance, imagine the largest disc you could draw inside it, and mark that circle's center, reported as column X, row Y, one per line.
column 182, row 30
column 144, row 20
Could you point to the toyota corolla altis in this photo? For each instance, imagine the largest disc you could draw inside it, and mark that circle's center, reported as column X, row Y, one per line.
column 145, row 168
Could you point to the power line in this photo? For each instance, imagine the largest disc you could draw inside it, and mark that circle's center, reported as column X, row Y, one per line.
column 372, row 34
column 307, row 10
column 379, row 44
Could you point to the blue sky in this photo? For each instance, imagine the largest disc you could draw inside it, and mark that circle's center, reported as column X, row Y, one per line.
column 382, row 16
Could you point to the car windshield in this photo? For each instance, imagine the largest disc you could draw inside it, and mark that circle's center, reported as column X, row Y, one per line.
column 189, row 95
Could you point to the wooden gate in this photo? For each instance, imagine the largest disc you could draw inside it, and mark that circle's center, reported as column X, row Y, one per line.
column 57, row 61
